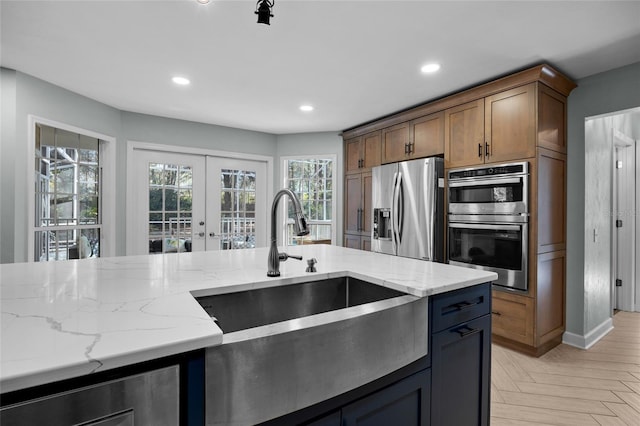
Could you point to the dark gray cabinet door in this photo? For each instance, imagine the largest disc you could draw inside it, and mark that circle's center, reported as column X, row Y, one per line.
column 403, row 403
column 460, row 364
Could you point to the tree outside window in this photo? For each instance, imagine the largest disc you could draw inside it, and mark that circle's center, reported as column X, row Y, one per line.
column 67, row 196
column 312, row 180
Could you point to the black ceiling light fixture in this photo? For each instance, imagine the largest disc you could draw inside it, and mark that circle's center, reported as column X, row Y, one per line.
column 263, row 10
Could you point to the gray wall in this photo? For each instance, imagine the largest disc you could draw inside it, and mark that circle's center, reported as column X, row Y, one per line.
column 41, row 99
column 23, row 95
column 588, row 291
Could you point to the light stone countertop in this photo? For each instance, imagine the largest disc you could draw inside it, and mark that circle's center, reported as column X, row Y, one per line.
column 67, row 319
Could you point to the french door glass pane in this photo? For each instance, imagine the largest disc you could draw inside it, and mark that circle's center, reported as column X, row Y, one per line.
column 237, row 209
column 170, row 208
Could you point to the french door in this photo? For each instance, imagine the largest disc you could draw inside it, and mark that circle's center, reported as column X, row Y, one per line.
column 236, row 204
column 188, row 202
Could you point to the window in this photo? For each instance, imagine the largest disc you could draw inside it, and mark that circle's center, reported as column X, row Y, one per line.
column 312, row 180
column 68, row 217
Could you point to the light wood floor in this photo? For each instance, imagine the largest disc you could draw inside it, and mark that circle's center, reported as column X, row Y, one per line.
column 570, row 386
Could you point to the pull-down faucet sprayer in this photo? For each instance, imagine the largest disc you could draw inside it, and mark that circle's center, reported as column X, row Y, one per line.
column 299, row 224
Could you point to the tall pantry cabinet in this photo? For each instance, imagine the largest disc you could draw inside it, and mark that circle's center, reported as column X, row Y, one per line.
column 361, row 154
column 519, row 117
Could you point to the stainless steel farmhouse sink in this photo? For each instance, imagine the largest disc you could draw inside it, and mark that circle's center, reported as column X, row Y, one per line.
column 254, row 308
column 288, row 347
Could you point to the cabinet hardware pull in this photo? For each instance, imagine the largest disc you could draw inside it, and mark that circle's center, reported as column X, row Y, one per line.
column 479, row 150
column 411, row 144
column 358, row 221
column 486, row 149
column 465, row 331
column 496, row 313
column 461, row 306
column 406, row 148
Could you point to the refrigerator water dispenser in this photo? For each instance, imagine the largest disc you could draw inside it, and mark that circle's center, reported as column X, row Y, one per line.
column 382, row 224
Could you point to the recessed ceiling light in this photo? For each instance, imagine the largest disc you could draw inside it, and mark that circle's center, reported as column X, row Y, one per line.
column 181, row 81
column 203, row 1
column 306, row 108
column 429, row 68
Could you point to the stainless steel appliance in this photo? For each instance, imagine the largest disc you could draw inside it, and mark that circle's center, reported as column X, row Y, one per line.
column 488, row 221
column 408, row 209
column 150, row 398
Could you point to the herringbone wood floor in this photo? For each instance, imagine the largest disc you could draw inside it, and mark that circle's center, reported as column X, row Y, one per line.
column 570, row 386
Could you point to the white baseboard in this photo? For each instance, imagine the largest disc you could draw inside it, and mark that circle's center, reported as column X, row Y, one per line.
column 591, row 338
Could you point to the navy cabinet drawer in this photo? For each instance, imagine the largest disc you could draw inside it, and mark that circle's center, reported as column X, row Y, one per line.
column 458, row 306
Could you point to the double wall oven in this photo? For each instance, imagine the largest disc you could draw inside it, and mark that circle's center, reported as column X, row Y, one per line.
column 488, row 218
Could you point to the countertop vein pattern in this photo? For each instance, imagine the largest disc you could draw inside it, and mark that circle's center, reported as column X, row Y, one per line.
column 71, row 318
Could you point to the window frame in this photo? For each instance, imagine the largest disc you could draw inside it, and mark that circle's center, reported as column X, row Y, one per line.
column 334, row 204
column 108, row 176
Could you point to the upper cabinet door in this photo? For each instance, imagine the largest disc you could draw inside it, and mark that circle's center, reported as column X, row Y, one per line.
column 510, row 125
column 362, row 153
column 371, row 149
column 395, row 143
column 464, row 143
column 428, row 136
column 352, row 153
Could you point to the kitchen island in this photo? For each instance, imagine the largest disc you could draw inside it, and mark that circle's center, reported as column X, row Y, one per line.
column 78, row 322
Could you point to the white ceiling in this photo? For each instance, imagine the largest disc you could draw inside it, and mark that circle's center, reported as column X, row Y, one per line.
column 353, row 60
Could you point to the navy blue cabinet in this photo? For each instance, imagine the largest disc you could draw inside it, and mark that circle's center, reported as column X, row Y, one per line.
column 461, row 357
column 404, row 403
column 450, row 386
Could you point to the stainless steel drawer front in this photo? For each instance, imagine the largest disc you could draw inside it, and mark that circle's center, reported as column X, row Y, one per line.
column 150, row 398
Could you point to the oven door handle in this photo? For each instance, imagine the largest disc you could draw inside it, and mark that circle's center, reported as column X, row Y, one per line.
column 484, row 182
column 485, row 226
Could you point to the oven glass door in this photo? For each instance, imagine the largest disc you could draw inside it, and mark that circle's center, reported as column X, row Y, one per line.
column 497, row 247
column 482, row 196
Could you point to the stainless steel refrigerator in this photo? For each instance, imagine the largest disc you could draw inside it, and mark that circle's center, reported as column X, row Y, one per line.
column 408, row 209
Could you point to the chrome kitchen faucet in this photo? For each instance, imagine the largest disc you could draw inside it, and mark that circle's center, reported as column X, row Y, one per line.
column 299, row 223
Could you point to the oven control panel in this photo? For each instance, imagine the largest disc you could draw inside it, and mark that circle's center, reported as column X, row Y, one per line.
column 497, row 170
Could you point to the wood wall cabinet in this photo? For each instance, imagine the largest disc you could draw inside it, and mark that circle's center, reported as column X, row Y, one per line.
column 357, row 210
column 497, row 128
column 419, row 138
column 362, row 153
column 534, row 322
column 519, row 117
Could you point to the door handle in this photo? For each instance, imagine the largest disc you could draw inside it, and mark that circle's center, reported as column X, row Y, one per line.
column 479, row 150
column 486, row 149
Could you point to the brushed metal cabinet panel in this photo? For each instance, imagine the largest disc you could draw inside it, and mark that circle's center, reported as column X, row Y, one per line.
column 150, row 398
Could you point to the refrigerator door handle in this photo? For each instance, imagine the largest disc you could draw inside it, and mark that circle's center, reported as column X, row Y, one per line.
column 394, row 213
column 399, row 208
